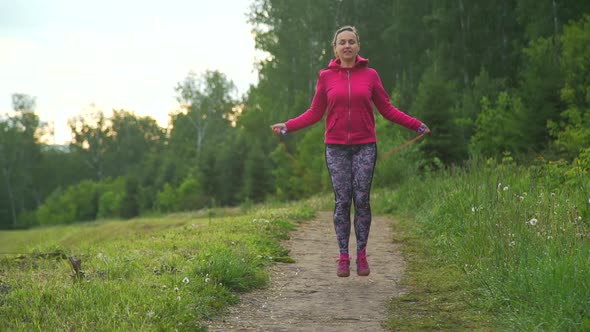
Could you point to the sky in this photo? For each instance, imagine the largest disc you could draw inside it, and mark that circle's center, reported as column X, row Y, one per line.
column 78, row 55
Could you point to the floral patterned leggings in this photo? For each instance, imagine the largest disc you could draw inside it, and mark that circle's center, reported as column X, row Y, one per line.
column 351, row 169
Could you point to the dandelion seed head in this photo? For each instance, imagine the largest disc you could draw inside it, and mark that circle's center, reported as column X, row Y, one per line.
column 176, row 289
column 532, row 222
column 552, row 194
column 185, row 280
column 521, row 198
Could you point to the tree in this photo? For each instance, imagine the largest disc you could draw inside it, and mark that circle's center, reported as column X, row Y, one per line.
column 572, row 131
column 19, row 157
column 207, row 101
column 90, row 136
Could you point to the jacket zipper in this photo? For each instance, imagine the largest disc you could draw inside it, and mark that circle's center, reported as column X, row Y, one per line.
column 349, row 106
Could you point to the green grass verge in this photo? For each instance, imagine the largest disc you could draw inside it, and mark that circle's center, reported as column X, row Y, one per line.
column 494, row 246
column 437, row 296
column 147, row 274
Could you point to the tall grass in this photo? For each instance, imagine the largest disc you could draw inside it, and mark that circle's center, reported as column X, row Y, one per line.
column 159, row 274
column 520, row 235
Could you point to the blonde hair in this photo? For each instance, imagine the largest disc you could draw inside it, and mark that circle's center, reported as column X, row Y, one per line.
column 346, row 28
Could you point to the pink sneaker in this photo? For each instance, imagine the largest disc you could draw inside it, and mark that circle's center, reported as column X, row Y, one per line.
column 343, row 265
column 362, row 266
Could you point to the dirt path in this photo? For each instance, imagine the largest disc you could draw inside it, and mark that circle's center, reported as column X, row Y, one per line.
column 308, row 296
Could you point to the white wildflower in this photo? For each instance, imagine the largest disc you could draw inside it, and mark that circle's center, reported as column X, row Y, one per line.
column 207, row 280
column 532, row 222
column 176, row 289
column 512, row 244
column 474, row 209
column 505, row 188
column 552, row 194
column 185, row 280
column 521, row 198
column 150, row 313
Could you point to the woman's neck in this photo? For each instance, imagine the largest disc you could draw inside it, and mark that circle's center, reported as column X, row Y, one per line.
column 346, row 64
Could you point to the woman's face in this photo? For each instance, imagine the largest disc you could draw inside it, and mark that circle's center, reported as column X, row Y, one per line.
column 347, row 47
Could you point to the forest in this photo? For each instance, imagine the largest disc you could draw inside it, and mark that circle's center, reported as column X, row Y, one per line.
column 493, row 80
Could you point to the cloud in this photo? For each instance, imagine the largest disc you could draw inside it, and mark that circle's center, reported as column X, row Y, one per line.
column 118, row 54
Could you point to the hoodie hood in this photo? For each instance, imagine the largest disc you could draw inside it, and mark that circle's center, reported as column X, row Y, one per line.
column 359, row 62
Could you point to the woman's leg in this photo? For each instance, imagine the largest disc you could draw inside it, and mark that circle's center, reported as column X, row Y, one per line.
column 339, row 162
column 363, row 165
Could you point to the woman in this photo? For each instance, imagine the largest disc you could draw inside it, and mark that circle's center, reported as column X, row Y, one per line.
column 345, row 91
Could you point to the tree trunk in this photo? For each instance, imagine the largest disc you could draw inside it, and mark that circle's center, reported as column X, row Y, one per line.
column 463, row 42
column 6, row 174
column 555, row 24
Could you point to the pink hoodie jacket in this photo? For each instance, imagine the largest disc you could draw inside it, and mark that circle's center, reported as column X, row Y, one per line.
column 346, row 95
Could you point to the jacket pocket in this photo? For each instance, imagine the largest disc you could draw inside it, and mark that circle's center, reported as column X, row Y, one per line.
column 368, row 121
column 332, row 124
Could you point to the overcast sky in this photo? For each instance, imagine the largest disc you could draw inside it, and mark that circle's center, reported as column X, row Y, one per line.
column 70, row 54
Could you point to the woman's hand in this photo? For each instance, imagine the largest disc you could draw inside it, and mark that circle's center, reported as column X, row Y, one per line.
column 279, row 128
column 423, row 129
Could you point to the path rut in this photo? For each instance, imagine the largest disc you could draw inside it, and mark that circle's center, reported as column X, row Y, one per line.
column 308, row 296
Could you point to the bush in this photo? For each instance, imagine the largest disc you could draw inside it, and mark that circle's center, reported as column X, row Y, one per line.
column 109, row 205
column 167, row 199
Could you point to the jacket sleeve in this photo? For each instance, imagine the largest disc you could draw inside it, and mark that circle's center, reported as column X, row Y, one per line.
column 315, row 113
column 383, row 104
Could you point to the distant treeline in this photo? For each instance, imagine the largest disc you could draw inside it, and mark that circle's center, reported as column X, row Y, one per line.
column 489, row 78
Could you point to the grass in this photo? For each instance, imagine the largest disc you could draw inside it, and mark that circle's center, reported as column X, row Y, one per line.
column 147, row 274
column 493, row 247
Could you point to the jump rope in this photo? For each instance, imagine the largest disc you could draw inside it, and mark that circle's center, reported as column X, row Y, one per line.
column 386, row 156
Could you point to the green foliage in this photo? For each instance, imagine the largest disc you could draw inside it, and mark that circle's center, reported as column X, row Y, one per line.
column 540, row 82
column 438, row 60
column 285, row 175
column 514, row 232
column 109, row 205
column 394, row 169
column 188, row 195
column 433, row 105
column 166, row 274
column 573, row 130
column 310, row 160
column 496, row 127
column 167, row 200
